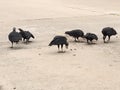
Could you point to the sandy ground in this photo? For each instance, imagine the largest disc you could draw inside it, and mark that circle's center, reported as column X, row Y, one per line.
column 36, row 66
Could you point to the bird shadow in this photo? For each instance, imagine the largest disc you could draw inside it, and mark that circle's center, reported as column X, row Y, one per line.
column 91, row 43
column 59, row 52
column 110, row 42
column 29, row 42
column 77, row 41
column 16, row 48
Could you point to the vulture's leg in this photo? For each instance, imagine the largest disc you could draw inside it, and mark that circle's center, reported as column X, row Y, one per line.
column 104, row 37
column 108, row 38
column 78, row 38
column 91, row 41
column 62, row 47
column 24, row 39
column 87, row 41
column 12, row 45
column 75, row 40
column 27, row 40
column 58, row 47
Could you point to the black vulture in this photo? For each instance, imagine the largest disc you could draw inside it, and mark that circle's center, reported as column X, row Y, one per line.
column 108, row 31
column 14, row 36
column 26, row 35
column 90, row 37
column 75, row 33
column 59, row 40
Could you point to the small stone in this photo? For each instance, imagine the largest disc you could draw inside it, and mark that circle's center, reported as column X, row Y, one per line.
column 71, row 49
column 75, row 49
column 110, row 65
column 14, row 88
column 74, row 54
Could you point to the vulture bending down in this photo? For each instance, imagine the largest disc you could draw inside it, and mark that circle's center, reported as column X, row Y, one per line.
column 75, row 33
column 59, row 41
column 90, row 37
column 26, row 35
column 108, row 31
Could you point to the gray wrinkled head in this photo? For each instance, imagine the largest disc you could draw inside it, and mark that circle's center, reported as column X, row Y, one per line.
column 14, row 29
column 114, row 31
column 67, row 32
column 86, row 35
column 20, row 29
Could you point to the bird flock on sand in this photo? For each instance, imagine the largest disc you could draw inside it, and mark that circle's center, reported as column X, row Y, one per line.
column 60, row 41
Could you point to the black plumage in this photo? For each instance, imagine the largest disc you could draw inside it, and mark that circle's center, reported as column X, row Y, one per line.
column 59, row 41
column 14, row 36
column 26, row 35
column 90, row 37
column 108, row 31
column 75, row 33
